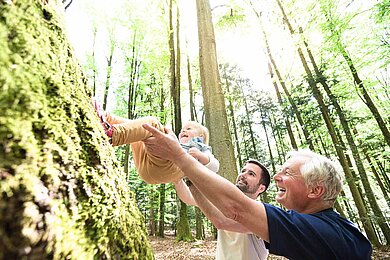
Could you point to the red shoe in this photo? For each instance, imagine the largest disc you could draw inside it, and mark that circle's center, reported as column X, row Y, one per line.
column 100, row 113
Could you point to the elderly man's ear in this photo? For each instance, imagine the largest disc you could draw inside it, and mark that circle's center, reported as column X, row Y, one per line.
column 316, row 192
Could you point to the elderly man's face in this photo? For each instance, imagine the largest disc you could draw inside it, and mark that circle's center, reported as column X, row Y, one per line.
column 292, row 190
column 248, row 180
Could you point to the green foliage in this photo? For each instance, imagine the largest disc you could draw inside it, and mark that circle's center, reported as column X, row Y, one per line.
column 62, row 194
column 232, row 17
column 382, row 11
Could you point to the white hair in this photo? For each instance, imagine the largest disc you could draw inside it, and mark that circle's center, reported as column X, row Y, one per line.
column 320, row 170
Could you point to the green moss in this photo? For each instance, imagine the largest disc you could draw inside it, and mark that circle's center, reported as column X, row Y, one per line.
column 62, row 194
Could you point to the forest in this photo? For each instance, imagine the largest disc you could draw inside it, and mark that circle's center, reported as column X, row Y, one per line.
column 265, row 77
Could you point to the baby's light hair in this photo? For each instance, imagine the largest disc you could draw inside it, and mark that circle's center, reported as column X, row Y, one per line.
column 202, row 130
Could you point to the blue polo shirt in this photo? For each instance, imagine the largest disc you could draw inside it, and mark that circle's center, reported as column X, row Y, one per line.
column 322, row 235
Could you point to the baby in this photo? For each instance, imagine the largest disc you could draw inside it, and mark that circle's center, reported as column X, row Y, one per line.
column 193, row 137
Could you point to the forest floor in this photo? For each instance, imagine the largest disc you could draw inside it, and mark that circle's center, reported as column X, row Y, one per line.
column 168, row 248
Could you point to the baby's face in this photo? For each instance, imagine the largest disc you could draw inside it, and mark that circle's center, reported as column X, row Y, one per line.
column 188, row 132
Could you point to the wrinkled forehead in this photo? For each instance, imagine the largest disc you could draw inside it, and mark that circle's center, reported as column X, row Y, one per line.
column 295, row 162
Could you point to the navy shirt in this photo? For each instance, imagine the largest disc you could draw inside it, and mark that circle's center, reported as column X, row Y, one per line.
column 322, row 235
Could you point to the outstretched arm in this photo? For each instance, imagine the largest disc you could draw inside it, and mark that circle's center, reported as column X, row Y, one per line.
column 184, row 193
column 220, row 192
column 214, row 215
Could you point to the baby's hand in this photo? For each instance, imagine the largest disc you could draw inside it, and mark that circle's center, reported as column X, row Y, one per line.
column 197, row 154
column 194, row 152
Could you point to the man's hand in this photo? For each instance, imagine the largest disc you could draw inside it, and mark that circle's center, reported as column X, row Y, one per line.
column 163, row 145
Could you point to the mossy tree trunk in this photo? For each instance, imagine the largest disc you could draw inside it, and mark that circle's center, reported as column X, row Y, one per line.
column 62, row 195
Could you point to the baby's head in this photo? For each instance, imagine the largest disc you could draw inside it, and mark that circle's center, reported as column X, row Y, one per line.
column 193, row 129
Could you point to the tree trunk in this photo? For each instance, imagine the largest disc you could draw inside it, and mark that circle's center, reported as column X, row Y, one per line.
column 62, row 194
column 271, row 156
column 109, row 70
column 161, row 223
column 248, row 116
column 214, row 101
column 199, row 224
column 94, row 70
column 183, row 227
column 279, row 96
column 279, row 142
column 234, row 125
column 190, row 91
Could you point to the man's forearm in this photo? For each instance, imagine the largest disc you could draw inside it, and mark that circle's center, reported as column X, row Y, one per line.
column 184, row 193
column 210, row 184
column 214, row 215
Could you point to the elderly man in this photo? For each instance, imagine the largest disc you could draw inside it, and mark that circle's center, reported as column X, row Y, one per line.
column 308, row 186
column 234, row 241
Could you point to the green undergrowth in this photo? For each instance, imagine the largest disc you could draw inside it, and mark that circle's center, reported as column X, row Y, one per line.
column 62, row 194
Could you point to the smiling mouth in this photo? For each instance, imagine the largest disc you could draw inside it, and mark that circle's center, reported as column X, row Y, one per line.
column 241, row 182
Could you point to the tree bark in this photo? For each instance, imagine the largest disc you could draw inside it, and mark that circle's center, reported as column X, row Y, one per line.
column 161, row 223
column 62, row 194
column 234, row 125
column 213, row 97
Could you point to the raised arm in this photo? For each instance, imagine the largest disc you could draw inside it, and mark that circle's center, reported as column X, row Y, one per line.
column 184, row 193
column 214, row 215
column 220, row 192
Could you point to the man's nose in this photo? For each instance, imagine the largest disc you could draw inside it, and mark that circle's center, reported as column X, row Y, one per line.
column 242, row 176
column 277, row 177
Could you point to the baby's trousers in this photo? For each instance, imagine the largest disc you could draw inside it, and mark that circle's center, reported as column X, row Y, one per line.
column 151, row 169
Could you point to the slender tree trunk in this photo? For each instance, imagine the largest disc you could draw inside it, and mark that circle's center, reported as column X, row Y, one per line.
column 279, row 142
column 176, row 87
column 132, row 95
column 339, row 209
column 191, row 92
column 183, row 228
column 94, row 70
column 378, row 179
column 152, row 216
column 279, row 96
column 199, row 231
column 161, row 223
column 199, row 224
column 271, row 156
column 234, row 125
column 248, row 116
column 108, row 75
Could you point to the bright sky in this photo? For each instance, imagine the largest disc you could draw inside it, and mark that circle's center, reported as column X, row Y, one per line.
column 239, row 46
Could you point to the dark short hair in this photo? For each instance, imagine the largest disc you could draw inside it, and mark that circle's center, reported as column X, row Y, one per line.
column 265, row 178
